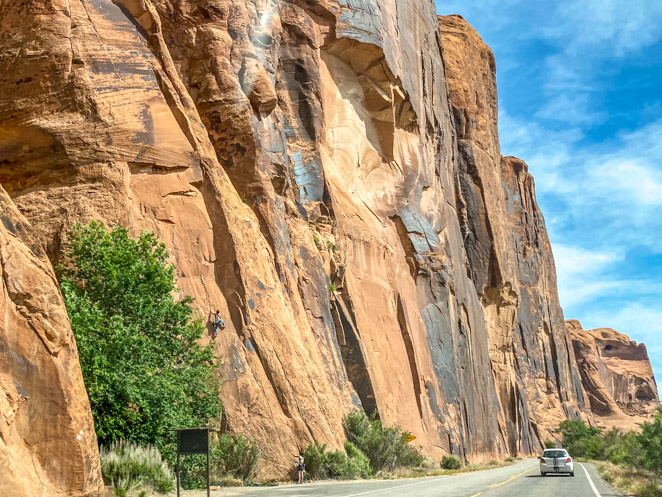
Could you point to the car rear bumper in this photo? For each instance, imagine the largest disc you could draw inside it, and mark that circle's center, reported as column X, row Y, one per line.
column 568, row 468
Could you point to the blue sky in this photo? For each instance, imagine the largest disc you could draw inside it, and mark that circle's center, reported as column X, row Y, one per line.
column 580, row 99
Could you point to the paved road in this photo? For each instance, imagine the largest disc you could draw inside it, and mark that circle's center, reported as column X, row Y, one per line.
column 519, row 480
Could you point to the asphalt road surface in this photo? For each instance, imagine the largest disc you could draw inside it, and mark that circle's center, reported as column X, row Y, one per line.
column 519, row 480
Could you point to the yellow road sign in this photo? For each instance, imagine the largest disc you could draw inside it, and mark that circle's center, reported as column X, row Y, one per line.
column 410, row 438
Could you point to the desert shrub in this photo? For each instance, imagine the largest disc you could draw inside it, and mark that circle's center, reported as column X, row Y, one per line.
column 144, row 370
column 385, row 448
column 510, row 459
column 622, row 448
column 650, row 441
column 315, row 458
column 550, row 444
column 358, row 459
column 450, row 462
column 630, row 449
column 582, row 440
column 338, row 465
column 233, row 457
column 132, row 469
column 236, row 456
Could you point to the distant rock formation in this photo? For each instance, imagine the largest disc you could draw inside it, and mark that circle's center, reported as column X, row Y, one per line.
column 324, row 178
column 616, row 374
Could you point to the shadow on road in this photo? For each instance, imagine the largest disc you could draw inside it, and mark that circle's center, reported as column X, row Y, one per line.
column 550, row 476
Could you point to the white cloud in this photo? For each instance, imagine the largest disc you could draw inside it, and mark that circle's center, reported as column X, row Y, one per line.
column 629, row 180
column 565, row 107
column 577, row 261
column 618, row 28
column 579, row 273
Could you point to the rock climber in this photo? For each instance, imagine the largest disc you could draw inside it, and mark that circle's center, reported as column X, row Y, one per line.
column 219, row 323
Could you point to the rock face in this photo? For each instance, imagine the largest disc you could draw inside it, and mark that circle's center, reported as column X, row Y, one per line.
column 47, row 441
column 361, row 232
column 616, row 374
column 509, row 255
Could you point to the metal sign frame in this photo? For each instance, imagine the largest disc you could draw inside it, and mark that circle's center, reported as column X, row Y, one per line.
column 192, row 441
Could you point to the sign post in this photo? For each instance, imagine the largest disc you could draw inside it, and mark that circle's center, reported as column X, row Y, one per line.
column 192, row 441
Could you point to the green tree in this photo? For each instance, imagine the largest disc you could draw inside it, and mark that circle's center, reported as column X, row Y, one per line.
column 144, row 370
column 651, row 444
column 582, row 440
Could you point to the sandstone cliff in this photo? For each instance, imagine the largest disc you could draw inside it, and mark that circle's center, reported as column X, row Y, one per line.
column 47, row 443
column 616, row 374
column 313, row 181
column 509, row 254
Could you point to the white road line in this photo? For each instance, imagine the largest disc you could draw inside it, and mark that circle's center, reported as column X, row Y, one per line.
column 595, row 490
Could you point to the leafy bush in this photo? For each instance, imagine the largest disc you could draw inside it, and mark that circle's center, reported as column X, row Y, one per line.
column 237, row 456
column 634, row 450
column 621, row 448
column 358, row 459
column 134, row 469
column 144, row 370
column 450, row 462
column 338, row 465
column 315, row 459
column 550, row 444
column 651, row 444
column 385, row 448
column 581, row 440
column 510, row 459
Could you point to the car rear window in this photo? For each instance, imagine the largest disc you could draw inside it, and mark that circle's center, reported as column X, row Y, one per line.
column 555, row 453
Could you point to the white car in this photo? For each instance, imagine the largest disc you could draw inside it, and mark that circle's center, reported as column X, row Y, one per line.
column 556, row 461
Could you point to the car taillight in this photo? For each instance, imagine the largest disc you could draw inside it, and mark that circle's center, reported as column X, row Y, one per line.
column 568, row 460
column 542, row 460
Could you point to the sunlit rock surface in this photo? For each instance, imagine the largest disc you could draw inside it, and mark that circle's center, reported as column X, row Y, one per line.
column 359, row 231
column 47, row 443
column 509, row 254
column 617, row 375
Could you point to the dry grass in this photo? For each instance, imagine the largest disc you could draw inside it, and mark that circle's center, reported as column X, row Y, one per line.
column 631, row 482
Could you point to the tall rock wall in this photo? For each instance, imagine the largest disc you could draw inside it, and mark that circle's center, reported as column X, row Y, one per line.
column 509, row 254
column 48, row 447
column 617, row 375
column 360, row 232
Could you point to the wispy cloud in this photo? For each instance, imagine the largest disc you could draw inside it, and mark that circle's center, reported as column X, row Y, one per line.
column 614, row 26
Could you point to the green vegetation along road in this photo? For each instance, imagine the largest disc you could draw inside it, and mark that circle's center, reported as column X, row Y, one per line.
column 519, row 480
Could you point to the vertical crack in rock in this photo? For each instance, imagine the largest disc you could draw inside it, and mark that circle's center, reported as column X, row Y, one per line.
column 354, row 356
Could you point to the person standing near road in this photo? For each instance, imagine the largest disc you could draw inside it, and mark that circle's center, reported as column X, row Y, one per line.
column 301, row 467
